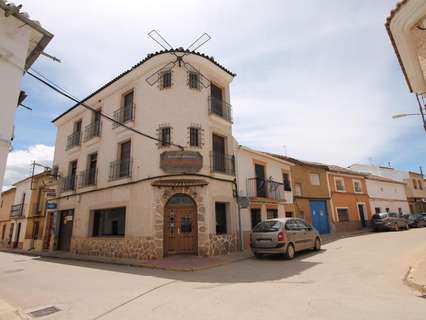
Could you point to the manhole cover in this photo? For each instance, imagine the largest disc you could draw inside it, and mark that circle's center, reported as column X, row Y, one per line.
column 13, row 270
column 44, row 312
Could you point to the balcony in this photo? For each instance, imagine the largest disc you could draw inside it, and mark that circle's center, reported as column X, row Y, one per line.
column 68, row 183
column 262, row 188
column 92, row 130
column 16, row 210
column 222, row 163
column 88, row 178
column 73, row 140
column 120, row 169
column 220, row 108
column 124, row 114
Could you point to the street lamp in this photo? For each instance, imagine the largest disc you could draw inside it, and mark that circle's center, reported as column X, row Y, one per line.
column 402, row 115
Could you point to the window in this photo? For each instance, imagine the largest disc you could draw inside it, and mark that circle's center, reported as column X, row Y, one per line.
column 298, row 189
column 166, row 136
column 194, row 80
column 194, row 137
column 36, row 228
column 357, row 186
column 255, row 217
column 166, row 80
column 291, row 225
column 3, row 232
column 387, row 210
column 221, row 227
column 286, row 181
column 420, row 184
column 127, row 107
column 415, row 184
column 377, row 210
column 289, row 214
column 315, row 179
column 343, row 214
column 271, row 213
column 109, row 222
column 268, row 226
column 340, row 184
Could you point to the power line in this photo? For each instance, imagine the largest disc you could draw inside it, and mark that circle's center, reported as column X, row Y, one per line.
column 63, row 92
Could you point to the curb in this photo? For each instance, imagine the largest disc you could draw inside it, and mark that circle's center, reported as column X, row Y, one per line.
column 409, row 281
column 7, row 312
column 123, row 262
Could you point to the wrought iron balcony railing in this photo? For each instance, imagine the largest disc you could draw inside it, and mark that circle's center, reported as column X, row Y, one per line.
column 263, row 188
column 88, row 178
column 69, row 183
column 222, row 163
column 124, row 114
column 74, row 139
column 119, row 169
column 17, row 210
column 220, row 108
column 92, row 130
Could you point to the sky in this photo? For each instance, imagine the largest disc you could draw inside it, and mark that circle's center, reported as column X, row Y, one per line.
column 316, row 80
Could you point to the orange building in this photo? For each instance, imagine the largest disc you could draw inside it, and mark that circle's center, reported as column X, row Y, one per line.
column 350, row 204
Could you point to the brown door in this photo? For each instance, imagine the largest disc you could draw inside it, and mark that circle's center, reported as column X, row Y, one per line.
column 65, row 230
column 180, row 228
column 18, row 234
column 48, row 234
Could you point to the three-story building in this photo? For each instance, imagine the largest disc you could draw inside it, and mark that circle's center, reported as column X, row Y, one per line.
column 123, row 195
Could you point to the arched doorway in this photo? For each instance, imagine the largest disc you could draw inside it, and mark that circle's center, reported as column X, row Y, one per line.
column 180, row 225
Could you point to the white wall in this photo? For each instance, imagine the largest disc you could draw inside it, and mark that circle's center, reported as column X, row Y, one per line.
column 387, row 195
column 14, row 43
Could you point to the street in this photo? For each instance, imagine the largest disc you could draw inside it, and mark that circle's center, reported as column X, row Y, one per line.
column 353, row 278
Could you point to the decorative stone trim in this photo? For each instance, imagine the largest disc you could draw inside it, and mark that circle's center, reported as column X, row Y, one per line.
column 143, row 248
column 222, row 244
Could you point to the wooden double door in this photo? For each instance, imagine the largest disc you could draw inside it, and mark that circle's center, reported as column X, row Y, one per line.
column 180, row 229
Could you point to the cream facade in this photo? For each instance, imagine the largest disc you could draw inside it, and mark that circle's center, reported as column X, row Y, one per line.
column 415, row 189
column 127, row 196
column 264, row 187
column 21, row 41
column 387, row 195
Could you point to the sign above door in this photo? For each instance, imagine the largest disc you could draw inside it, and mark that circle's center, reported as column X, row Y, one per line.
column 181, row 161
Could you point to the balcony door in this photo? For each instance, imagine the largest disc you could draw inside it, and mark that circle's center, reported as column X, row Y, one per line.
column 92, row 163
column 219, row 153
column 72, row 174
column 125, row 150
column 260, row 180
column 217, row 98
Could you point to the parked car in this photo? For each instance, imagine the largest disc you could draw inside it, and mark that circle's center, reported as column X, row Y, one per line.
column 389, row 221
column 417, row 220
column 283, row 236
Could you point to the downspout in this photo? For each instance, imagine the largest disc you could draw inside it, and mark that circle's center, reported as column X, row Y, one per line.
column 237, row 200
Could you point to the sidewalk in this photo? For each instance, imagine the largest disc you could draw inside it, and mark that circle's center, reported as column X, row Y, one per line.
column 327, row 238
column 7, row 312
column 416, row 275
column 174, row 263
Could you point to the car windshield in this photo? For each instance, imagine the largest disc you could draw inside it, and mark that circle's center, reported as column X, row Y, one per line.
column 268, row 226
column 380, row 215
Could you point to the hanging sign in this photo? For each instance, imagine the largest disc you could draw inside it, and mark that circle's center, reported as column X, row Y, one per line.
column 181, row 161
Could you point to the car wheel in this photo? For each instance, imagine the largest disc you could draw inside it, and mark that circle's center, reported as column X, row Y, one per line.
column 258, row 255
column 317, row 244
column 290, row 252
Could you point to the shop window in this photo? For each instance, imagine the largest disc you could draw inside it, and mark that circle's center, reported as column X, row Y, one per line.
column 109, row 222
column 221, row 226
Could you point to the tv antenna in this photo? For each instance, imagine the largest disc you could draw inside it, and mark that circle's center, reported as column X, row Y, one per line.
column 179, row 54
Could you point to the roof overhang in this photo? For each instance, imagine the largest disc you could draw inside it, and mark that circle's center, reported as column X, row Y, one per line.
column 39, row 39
column 400, row 23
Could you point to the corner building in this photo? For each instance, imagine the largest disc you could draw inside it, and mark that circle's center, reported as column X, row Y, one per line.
column 122, row 195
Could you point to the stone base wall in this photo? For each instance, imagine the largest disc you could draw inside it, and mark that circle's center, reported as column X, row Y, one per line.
column 222, row 244
column 143, row 248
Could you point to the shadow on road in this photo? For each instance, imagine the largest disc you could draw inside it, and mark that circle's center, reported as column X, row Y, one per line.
column 268, row 268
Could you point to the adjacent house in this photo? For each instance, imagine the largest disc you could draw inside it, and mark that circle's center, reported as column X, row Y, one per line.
column 264, row 184
column 415, row 189
column 6, row 227
column 387, row 195
column 22, row 40
column 124, row 195
column 350, row 204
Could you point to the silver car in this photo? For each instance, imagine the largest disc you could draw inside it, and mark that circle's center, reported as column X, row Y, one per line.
column 283, row 236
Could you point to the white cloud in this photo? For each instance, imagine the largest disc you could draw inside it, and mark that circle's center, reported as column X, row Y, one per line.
column 19, row 162
column 320, row 77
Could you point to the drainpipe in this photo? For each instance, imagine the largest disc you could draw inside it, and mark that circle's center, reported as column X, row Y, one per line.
column 237, row 200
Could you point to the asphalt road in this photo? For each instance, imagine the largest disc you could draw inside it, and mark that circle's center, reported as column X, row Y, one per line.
column 353, row 278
